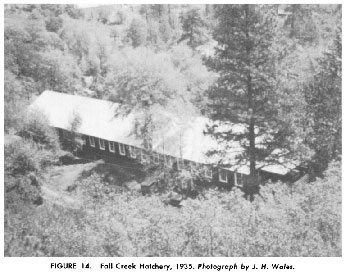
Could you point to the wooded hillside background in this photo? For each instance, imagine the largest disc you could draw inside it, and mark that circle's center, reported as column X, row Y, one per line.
column 272, row 67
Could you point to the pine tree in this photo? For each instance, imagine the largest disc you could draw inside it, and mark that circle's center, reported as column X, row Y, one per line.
column 301, row 23
column 323, row 96
column 194, row 28
column 244, row 91
column 137, row 32
column 165, row 27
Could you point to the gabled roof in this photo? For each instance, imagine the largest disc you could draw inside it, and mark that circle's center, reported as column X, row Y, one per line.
column 97, row 116
column 281, row 162
column 99, row 119
column 184, row 139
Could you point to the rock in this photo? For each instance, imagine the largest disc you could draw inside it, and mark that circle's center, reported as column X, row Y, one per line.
column 110, row 179
column 71, row 188
column 38, row 201
column 133, row 185
column 148, row 186
column 174, row 199
column 66, row 158
column 33, row 179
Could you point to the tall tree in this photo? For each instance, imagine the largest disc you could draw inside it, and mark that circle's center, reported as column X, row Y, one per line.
column 301, row 23
column 244, row 91
column 137, row 32
column 149, row 83
column 323, row 96
column 194, row 28
column 165, row 27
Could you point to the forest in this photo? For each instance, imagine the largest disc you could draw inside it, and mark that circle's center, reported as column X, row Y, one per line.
column 274, row 68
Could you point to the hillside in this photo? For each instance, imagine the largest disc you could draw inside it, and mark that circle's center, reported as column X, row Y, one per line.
column 90, row 217
column 274, row 69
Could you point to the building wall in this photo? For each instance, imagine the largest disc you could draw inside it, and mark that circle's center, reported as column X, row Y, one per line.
column 115, row 157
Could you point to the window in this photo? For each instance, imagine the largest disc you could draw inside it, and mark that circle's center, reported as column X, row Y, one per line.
column 132, row 151
column 180, row 164
column 238, row 179
column 102, row 144
column 223, row 175
column 208, row 173
column 111, row 146
column 143, row 156
column 171, row 161
column 156, row 159
column 92, row 141
column 122, row 149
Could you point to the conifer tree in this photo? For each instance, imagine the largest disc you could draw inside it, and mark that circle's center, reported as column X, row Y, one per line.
column 244, row 91
column 323, row 97
column 137, row 32
column 194, row 28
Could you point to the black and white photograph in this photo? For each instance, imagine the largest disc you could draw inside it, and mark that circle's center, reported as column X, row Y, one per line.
column 172, row 130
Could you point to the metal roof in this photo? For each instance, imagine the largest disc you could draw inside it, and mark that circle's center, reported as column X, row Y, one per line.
column 183, row 139
column 99, row 119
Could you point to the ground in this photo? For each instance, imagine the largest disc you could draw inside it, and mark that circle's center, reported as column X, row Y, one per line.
column 61, row 182
column 58, row 181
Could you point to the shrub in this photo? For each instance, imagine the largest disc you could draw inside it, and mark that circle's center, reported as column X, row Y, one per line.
column 20, row 158
column 24, row 156
column 286, row 220
column 20, row 190
column 54, row 24
column 35, row 126
column 73, row 141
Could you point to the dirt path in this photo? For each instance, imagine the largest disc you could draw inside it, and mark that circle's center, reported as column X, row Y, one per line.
column 59, row 178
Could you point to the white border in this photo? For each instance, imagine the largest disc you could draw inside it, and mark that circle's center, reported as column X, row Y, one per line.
column 206, row 170
column 43, row 264
column 92, row 141
column 102, row 147
column 220, row 178
column 122, row 147
column 110, row 145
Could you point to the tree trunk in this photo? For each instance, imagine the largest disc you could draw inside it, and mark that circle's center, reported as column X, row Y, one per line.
column 170, row 16
column 293, row 21
column 191, row 34
column 251, row 127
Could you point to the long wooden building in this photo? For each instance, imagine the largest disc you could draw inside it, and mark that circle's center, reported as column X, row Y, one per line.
column 109, row 134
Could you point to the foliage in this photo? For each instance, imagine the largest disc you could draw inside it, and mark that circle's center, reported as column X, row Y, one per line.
column 13, row 95
column 21, row 191
column 165, row 29
column 25, row 162
column 24, row 156
column 139, row 73
column 35, row 127
column 149, row 83
column 20, row 158
column 300, row 23
column 283, row 220
column 194, row 28
column 244, row 91
column 54, row 24
column 323, row 97
column 57, row 71
column 73, row 141
column 137, row 33
column 131, row 55
column 33, row 53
